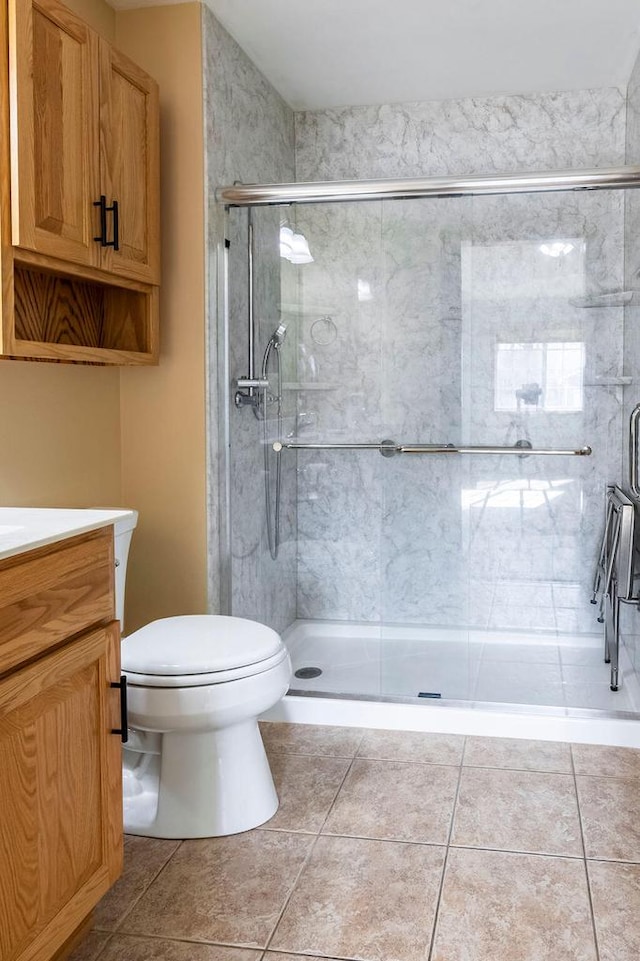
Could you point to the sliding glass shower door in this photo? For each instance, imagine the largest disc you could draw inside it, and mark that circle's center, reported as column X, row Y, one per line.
column 448, row 323
column 519, row 345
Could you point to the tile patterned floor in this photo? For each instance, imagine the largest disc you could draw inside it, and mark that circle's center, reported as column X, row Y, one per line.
column 395, row 846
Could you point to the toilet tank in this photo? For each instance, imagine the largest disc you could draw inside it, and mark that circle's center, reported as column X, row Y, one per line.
column 123, row 532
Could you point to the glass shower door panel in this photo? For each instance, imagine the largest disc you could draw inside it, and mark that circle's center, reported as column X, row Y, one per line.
column 337, row 317
column 262, row 546
column 426, row 650
column 501, row 330
column 543, row 349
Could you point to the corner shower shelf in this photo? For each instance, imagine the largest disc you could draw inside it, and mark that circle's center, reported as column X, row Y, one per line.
column 621, row 381
column 617, row 298
column 306, row 310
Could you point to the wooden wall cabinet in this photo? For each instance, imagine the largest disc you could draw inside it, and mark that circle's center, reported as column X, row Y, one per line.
column 129, row 164
column 61, row 784
column 54, row 136
column 80, row 194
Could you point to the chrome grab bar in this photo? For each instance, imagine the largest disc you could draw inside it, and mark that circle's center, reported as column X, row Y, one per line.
column 389, row 448
column 633, row 451
column 520, row 451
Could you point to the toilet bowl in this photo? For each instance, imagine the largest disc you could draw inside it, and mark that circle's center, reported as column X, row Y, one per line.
column 195, row 765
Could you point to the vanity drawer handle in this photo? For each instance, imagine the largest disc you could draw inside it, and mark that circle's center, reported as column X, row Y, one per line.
column 123, row 730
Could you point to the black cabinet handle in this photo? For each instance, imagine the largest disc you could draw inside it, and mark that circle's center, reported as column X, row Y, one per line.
column 115, row 243
column 104, row 210
column 123, row 730
column 102, row 204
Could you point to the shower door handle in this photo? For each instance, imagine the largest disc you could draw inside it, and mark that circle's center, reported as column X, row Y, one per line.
column 633, row 451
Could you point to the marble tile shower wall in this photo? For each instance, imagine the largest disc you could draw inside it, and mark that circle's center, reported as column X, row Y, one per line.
column 444, row 321
column 249, row 137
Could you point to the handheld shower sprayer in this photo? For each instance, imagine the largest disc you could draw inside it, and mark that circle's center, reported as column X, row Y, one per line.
column 275, row 342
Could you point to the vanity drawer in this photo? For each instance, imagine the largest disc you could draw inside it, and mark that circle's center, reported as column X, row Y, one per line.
column 52, row 593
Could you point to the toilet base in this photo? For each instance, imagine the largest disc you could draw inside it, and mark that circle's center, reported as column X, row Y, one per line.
column 199, row 785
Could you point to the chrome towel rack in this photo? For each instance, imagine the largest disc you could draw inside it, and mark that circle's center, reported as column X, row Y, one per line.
column 389, row 448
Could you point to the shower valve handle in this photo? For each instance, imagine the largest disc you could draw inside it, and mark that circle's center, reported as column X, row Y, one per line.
column 247, row 391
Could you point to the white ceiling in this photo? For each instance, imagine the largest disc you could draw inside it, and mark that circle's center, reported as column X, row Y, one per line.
column 326, row 53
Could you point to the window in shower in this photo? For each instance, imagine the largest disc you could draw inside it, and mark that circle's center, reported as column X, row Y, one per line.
column 547, row 376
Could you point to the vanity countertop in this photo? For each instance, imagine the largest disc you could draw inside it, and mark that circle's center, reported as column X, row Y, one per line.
column 25, row 528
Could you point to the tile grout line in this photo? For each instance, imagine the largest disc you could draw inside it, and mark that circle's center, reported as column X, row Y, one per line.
column 516, row 851
column 181, row 939
column 436, row 914
column 294, row 885
column 537, row 770
column 227, row 944
column 602, row 860
column 396, row 760
column 137, row 900
column 327, row 957
column 584, row 849
column 310, row 852
column 336, row 795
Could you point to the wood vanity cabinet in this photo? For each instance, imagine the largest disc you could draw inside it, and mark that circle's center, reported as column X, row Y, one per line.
column 60, row 763
column 80, row 193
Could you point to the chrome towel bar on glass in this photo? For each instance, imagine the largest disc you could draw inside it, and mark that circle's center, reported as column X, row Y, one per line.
column 389, row 448
column 633, row 451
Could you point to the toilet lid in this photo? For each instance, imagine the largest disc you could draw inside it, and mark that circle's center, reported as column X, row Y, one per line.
column 197, row 644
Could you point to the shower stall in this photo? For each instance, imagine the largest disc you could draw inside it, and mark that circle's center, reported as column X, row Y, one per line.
column 425, row 394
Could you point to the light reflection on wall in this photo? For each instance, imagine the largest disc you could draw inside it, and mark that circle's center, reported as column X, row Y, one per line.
column 519, row 493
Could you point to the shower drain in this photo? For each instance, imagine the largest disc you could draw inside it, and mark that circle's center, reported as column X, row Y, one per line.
column 307, row 672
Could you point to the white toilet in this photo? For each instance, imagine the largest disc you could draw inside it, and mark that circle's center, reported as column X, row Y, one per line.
column 195, row 765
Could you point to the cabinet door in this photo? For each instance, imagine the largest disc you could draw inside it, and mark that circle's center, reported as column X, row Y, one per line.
column 129, row 141
column 54, row 131
column 60, row 794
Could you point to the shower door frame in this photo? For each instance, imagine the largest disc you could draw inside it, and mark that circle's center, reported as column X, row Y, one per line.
column 348, row 191
column 256, row 195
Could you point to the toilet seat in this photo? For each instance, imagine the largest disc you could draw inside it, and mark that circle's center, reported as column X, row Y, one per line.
column 201, row 680
column 199, row 649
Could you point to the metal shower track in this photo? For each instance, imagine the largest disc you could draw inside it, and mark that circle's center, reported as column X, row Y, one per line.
column 346, row 191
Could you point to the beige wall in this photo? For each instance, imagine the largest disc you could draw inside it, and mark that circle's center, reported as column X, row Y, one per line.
column 60, row 425
column 163, row 409
column 97, row 13
column 59, row 435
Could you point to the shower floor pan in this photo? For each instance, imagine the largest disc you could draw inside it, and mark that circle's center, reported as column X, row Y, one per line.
column 504, row 683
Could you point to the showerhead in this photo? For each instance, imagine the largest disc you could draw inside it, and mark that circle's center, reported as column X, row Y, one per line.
column 278, row 336
column 275, row 341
